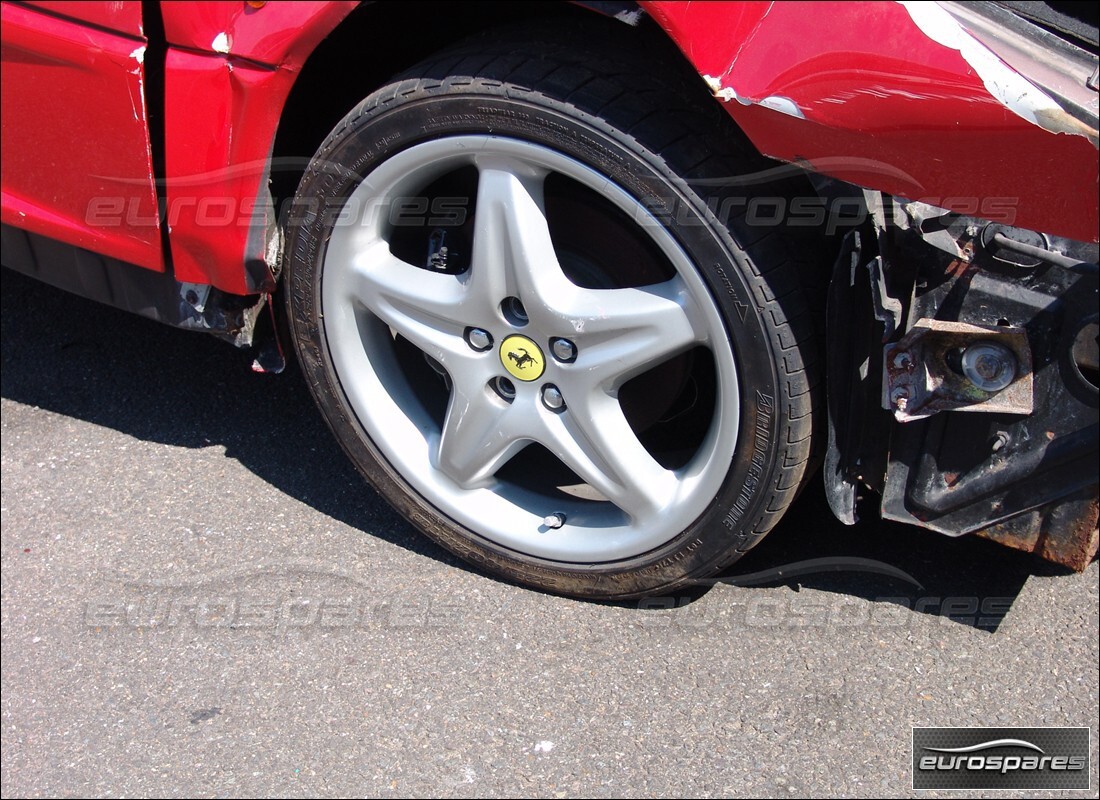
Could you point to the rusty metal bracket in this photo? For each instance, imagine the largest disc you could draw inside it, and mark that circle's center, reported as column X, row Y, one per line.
column 922, row 374
column 1064, row 532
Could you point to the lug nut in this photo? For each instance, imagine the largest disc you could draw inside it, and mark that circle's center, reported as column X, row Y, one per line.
column 563, row 350
column 479, row 339
column 554, row 521
column 551, row 398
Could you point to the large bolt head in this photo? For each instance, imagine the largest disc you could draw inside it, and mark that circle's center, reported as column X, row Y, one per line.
column 989, row 365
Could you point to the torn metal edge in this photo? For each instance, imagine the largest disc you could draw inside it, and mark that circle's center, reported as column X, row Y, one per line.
column 1004, row 84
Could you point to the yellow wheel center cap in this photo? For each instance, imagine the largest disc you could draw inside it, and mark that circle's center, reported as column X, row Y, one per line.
column 522, row 358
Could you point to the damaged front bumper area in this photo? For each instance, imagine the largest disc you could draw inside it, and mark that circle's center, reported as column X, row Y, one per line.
column 963, row 379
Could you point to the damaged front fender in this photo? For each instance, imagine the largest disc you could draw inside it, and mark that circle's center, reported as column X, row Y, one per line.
column 900, row 98
column 229, row 69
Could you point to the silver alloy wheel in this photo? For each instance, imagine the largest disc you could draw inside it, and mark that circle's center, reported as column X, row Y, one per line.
column 631, row 504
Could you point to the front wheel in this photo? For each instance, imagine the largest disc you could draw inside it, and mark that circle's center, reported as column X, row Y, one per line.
column 522, row 316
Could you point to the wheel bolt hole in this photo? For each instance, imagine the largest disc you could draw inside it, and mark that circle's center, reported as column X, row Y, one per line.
column 514, row 312
column 504, row 388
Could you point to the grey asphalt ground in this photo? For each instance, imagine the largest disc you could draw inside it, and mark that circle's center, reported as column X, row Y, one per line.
column 201, row 597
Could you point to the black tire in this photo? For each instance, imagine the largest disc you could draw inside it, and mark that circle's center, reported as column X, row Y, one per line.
column 667, row 145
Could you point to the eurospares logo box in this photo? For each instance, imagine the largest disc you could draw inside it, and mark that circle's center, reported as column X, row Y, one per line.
column 1001, row 758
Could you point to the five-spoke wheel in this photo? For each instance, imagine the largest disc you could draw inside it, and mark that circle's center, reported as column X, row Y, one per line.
column 525, row 302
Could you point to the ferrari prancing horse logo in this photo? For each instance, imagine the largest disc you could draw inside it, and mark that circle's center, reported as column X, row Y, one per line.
column 522, row 358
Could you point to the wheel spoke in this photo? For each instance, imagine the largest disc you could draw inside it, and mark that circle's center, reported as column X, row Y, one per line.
column 476, row 439
column 513, row 254
column 594, row 439
column 424, row 307
column 621, row 333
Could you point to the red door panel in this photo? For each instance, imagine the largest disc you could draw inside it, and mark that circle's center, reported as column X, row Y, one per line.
column 123, row 17
column 73, row 130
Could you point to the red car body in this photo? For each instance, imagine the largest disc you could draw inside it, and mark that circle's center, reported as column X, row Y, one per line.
column 858, row 91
